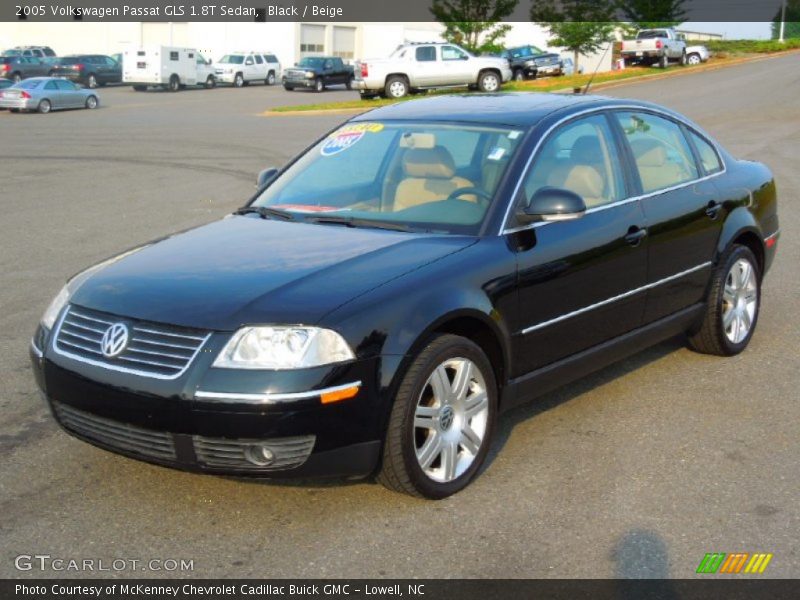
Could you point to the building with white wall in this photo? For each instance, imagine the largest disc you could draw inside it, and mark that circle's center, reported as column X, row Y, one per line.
column 289, row 41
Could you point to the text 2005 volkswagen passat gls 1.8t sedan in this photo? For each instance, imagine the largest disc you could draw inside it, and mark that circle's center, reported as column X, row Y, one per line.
column 410, row 275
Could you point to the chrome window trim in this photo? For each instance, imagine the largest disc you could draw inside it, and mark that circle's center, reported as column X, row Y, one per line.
column 271, row 398
column 546, row 135
column 627, row 294
column 119, row 368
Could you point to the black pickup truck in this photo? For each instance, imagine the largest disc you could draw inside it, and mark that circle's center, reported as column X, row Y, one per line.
column 318, row 72
column 531, row 62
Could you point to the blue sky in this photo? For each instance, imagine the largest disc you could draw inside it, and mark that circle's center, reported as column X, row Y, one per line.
column 732, row 31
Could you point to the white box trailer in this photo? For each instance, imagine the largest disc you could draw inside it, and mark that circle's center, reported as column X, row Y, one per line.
column 169, row 67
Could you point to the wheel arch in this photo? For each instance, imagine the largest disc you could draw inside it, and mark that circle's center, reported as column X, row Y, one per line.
column 741, row 227
column 390, row 75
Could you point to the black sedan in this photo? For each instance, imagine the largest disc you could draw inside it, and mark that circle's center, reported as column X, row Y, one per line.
column 415, row 272
column 91, row 70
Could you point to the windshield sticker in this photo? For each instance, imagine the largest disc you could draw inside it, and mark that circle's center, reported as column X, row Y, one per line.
column 496, row 154
column 512, row 135
column 347, row 136
column 308, row 208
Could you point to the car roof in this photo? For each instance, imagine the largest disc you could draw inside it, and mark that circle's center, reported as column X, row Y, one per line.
column 517, row 109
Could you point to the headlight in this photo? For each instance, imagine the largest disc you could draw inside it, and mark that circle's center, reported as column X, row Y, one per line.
column 310, row 74
column 51, row 314
column 281, row 347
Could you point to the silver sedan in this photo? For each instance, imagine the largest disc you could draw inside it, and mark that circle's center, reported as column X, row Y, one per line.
column 44, row 94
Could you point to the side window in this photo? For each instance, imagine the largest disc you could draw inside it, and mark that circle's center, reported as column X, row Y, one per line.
column 662, row 154
column 173, row 56
column 249, row 60
column 328, row 65
column 452, row 53
column 708, row 156
column 271, row 58
column 580, row 157
column 426, row 53
column 65, row 85
column 51, row 85
column 259, row 60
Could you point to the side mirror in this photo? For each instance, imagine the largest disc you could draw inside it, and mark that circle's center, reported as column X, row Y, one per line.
column 265, row 177
column 553, row 204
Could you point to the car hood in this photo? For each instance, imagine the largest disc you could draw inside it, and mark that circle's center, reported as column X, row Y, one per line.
column 244, row 270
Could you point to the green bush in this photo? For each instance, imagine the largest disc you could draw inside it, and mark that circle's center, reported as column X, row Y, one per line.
column 750, row 46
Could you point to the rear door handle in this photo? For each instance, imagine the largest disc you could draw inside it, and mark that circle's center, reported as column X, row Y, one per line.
column 713, row 208
column 635, row 235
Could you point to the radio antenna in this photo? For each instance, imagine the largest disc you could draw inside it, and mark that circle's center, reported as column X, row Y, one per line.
column 597, row 68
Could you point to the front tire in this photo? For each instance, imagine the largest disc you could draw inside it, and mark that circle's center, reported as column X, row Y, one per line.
column 211, row 82
column 442, row 420
column 519, row 75
column 488, row 82
column 174, row 84
column 733, row 305
column 319, row 85
column 693, row 59
column 238, row 80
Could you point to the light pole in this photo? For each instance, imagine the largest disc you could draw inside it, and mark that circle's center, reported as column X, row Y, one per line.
column 783, row 21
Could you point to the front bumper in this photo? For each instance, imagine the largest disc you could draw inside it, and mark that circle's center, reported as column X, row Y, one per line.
column 549, row 70
column 304, row 82
column 190, row 425
column 224, row 77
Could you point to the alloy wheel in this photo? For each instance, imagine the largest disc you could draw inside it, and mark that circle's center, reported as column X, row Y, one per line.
column 739, row 301
column 450, row 419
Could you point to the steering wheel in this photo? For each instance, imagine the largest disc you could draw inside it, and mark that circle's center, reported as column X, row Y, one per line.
column 484, row 197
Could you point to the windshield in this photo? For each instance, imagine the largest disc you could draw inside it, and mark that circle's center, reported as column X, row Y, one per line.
column 232, row 59
column 311, row 62
column 525, row 51
column 423, row 176
column 29, row 84
column 12, row 53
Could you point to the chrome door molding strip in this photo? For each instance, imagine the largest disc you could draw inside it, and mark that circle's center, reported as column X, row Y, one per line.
column 270, row 398
column 622, row 296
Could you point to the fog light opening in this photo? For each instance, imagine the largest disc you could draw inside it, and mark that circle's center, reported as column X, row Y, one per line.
column 259, row 455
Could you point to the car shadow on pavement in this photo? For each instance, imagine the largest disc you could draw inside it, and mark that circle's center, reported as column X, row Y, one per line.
column 509, row 420
column 642, row 554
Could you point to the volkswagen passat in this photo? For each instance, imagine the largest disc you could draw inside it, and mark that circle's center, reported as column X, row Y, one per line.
column 413, row 273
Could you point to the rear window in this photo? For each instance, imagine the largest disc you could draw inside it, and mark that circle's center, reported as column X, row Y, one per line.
column 29, row 84
column 70, row 60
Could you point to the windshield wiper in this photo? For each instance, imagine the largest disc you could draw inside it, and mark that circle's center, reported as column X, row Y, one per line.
column 266, row 212
column 355, row 222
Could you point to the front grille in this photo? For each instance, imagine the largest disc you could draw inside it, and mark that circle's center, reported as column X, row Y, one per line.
column 121, row 436
column 289, row 452
column 155, row 350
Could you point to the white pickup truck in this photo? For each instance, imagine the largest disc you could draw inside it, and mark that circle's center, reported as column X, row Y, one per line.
column 655, row 47
column 414, row 67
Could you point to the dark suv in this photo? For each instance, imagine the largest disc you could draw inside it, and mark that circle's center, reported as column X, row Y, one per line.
column 531, row 62
column 18, row 68
column 89, row 69
column 318, row 72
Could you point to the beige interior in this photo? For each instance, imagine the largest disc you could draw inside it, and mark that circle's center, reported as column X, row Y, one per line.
column 429, row 177
column 655, row 171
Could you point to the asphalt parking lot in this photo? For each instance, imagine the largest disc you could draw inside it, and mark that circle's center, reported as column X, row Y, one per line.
column 635, row 471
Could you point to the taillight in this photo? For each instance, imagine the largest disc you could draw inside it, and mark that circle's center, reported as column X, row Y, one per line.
column 25, row 95
column 659, row 44
column 364, row 70
column 78, row 67
column 4, row 67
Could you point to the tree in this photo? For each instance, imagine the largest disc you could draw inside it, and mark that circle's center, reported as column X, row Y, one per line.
column 582, row 26
column 792, row 27
column 645, row 14
column 474, row 24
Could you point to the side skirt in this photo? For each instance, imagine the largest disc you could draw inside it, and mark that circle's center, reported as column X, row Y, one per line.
column 533, row 384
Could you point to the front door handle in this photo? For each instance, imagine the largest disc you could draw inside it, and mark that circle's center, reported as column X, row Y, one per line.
column 635, row 235
column 713, row 208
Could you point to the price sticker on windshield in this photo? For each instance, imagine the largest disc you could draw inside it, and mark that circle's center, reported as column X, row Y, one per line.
column 347, row 137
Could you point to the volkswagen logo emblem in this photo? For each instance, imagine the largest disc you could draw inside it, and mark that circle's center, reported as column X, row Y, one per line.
column 115, row 340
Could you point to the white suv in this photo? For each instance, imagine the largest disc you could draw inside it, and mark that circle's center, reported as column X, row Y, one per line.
column 425, row 66
column 240, row 68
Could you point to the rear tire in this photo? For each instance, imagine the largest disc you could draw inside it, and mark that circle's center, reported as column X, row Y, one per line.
column 92, row 102
column 663, row 62
column 16, row 77
column 44, row 106
column 174, row 84
column 288, row 88
column 683, row 59
column 349, row 83
column 519, row 75
column 734, row 301
column 211, row 82
column 91, row 81
column 396, row 87
column 441, row 425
